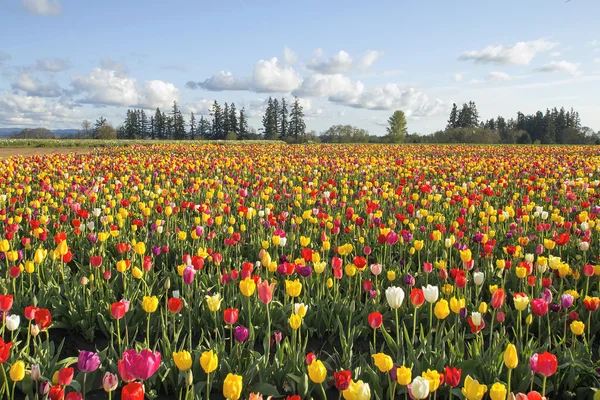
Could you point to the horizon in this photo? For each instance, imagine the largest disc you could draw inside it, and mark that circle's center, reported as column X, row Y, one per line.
column 348, row 65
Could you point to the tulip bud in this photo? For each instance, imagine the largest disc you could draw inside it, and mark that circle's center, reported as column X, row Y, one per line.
column 167, row 284
column 110, row 382
column 44, row 388
column 84, row 280
column 35, row 330
column 35, row 372
column 189, row 378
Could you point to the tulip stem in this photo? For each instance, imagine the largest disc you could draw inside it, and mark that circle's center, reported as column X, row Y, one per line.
column 414, row 324
column 148, row 331
column 83, row 388
column 119, row 336
column 508, row 386
column 544, row 388
column 398, row 337
column 323, row 391
column 208, row 386
column 268, row 349
column 5, row 382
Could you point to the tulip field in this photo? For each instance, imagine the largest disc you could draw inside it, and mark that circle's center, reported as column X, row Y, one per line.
column 255, row 271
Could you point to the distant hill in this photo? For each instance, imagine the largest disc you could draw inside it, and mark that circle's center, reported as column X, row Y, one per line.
column 7, row 132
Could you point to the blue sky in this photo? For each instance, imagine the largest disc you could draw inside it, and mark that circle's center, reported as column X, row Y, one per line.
column 350, row 62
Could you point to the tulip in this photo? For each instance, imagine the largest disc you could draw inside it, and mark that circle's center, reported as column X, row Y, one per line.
column 472, row 389
column 214, row 302
column 419, row 388
column 394, row 296
column 232, row 387
column 110, row 382
column 452, row 376
column 65, row 376
column 478, row 278
column 317, row 372
column 431, row 294
column 141, row 365
column 35, row 372
column 498, row 391
column 209, row 361
column 293, row 288
column 265, row 291
column 441, row 309
column 434, row 379
column 133, row 391
column 383, row 362
column 295, row 321
column 183, row 360
column 56, row 392
column 13, row 322
column 88, row 361
column 300, row 309
column 403, row 375
column 357, row 391
column 17, row 371
column 342, row 380
column 240, row 333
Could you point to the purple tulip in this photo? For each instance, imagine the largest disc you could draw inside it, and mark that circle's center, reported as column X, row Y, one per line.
column 547, row 296
column 409, row 280
column 305, row 271
column 463, row 312
column 156, row 251
column 240, row 333
column 188, row 275
column 566, row 301
column 44, row 388
column 88, row 361
column 555, row 307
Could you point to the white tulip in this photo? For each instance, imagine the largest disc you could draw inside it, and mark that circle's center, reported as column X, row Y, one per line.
column 544, row 215
column 282, row 241
column 12, row 322
column 394, row 296
column 431, row 293
column 476, row 318
column 478, row 278
column 584, row 246
column 529, row 257
column 420, row 388
column 585, row 226
column 364, row 391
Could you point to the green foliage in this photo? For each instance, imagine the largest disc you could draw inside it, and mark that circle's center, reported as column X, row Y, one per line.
column 396, row 130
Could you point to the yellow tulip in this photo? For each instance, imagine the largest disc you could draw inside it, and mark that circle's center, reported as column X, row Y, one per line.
column 441, row 309
column 295, row 321
column 383, row 362
column 214, row 302
column 17, row 371
column 183, row 360
column 150, row 304
column 498, row 391
column 247, row 286
column 209, row 361
column 293, row 288
column 140, row 248
column 434, row 379
column 317, row 372
column 511, row 359
column 472, row 389
column 577, row 327
column 403, row 375
column 457, row 304
column 232, row 387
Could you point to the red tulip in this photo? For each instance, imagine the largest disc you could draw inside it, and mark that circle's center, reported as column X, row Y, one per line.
column 74, row 396
column 30, row 312
column 375, row 320
column 230, row 316
column 4, row 350
column 65, row 376
column 498, row 298
column 133, row 391
column 417, row 298
column 452, row 376
column 475, row 328
column 294, row 397
column 43, row 318
column 56, row 392
column 6, row 302
column 96, row 261
column 547, row 364
column 539, row 307
column 563, row 239
column 175, row 305
column 310, row 357
column 342, row 379
column 118, row 310
column 591, row 303
column 588, row 270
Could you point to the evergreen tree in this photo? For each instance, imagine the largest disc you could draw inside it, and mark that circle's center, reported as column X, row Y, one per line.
column 453, row 120
column 144, row 125
column 233, row 121
column 130, row 125
column 217, row 123
column 502, row 128
column 225, row 120
column 192, row 126
column 474, row 121
column 204, row 128
column 297, row 125
column 152, row 128
column 464, row 117
column 243, row 125
column 396, row 130
column 276, row 116
column 178, row 123
column 550, row 134
column 100, row 122
column 283, row 120
column 270, row 121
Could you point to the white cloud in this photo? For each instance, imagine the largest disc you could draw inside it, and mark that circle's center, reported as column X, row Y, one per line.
column 42, row 7
column 200, row 107
column 34, row 87
column 561, row 66
column 20, row 110
column 594, row 43
column 337, row 64
column 272, row 76
column 458, row 77
column 220, row 81
column 52, row 65
column 597, row 60
column 368, row 59
column 520, row 53
column 289, row 57
column 496, row 76
column 319, row 85
column 107, row 87
column 110, row 64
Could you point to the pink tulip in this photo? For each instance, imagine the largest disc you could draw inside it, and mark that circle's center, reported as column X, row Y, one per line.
column 265, row 291
column 141, row 365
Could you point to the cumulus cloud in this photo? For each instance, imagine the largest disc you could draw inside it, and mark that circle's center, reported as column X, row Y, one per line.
column 32, row 86
column 108, row 87
column 199, row 107
column 219, row 82
column 52, row 65
column 18, row 110
column 561, row 66
column 110, row 64
column 368, row 59
column 272, row 76
column 520, row 53
column 495, row 76
column 289, row 57
column 337, row 64
column 319, row 85
column 42, row 7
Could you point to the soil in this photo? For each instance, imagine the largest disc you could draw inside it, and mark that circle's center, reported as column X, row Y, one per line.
column 33, row 151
